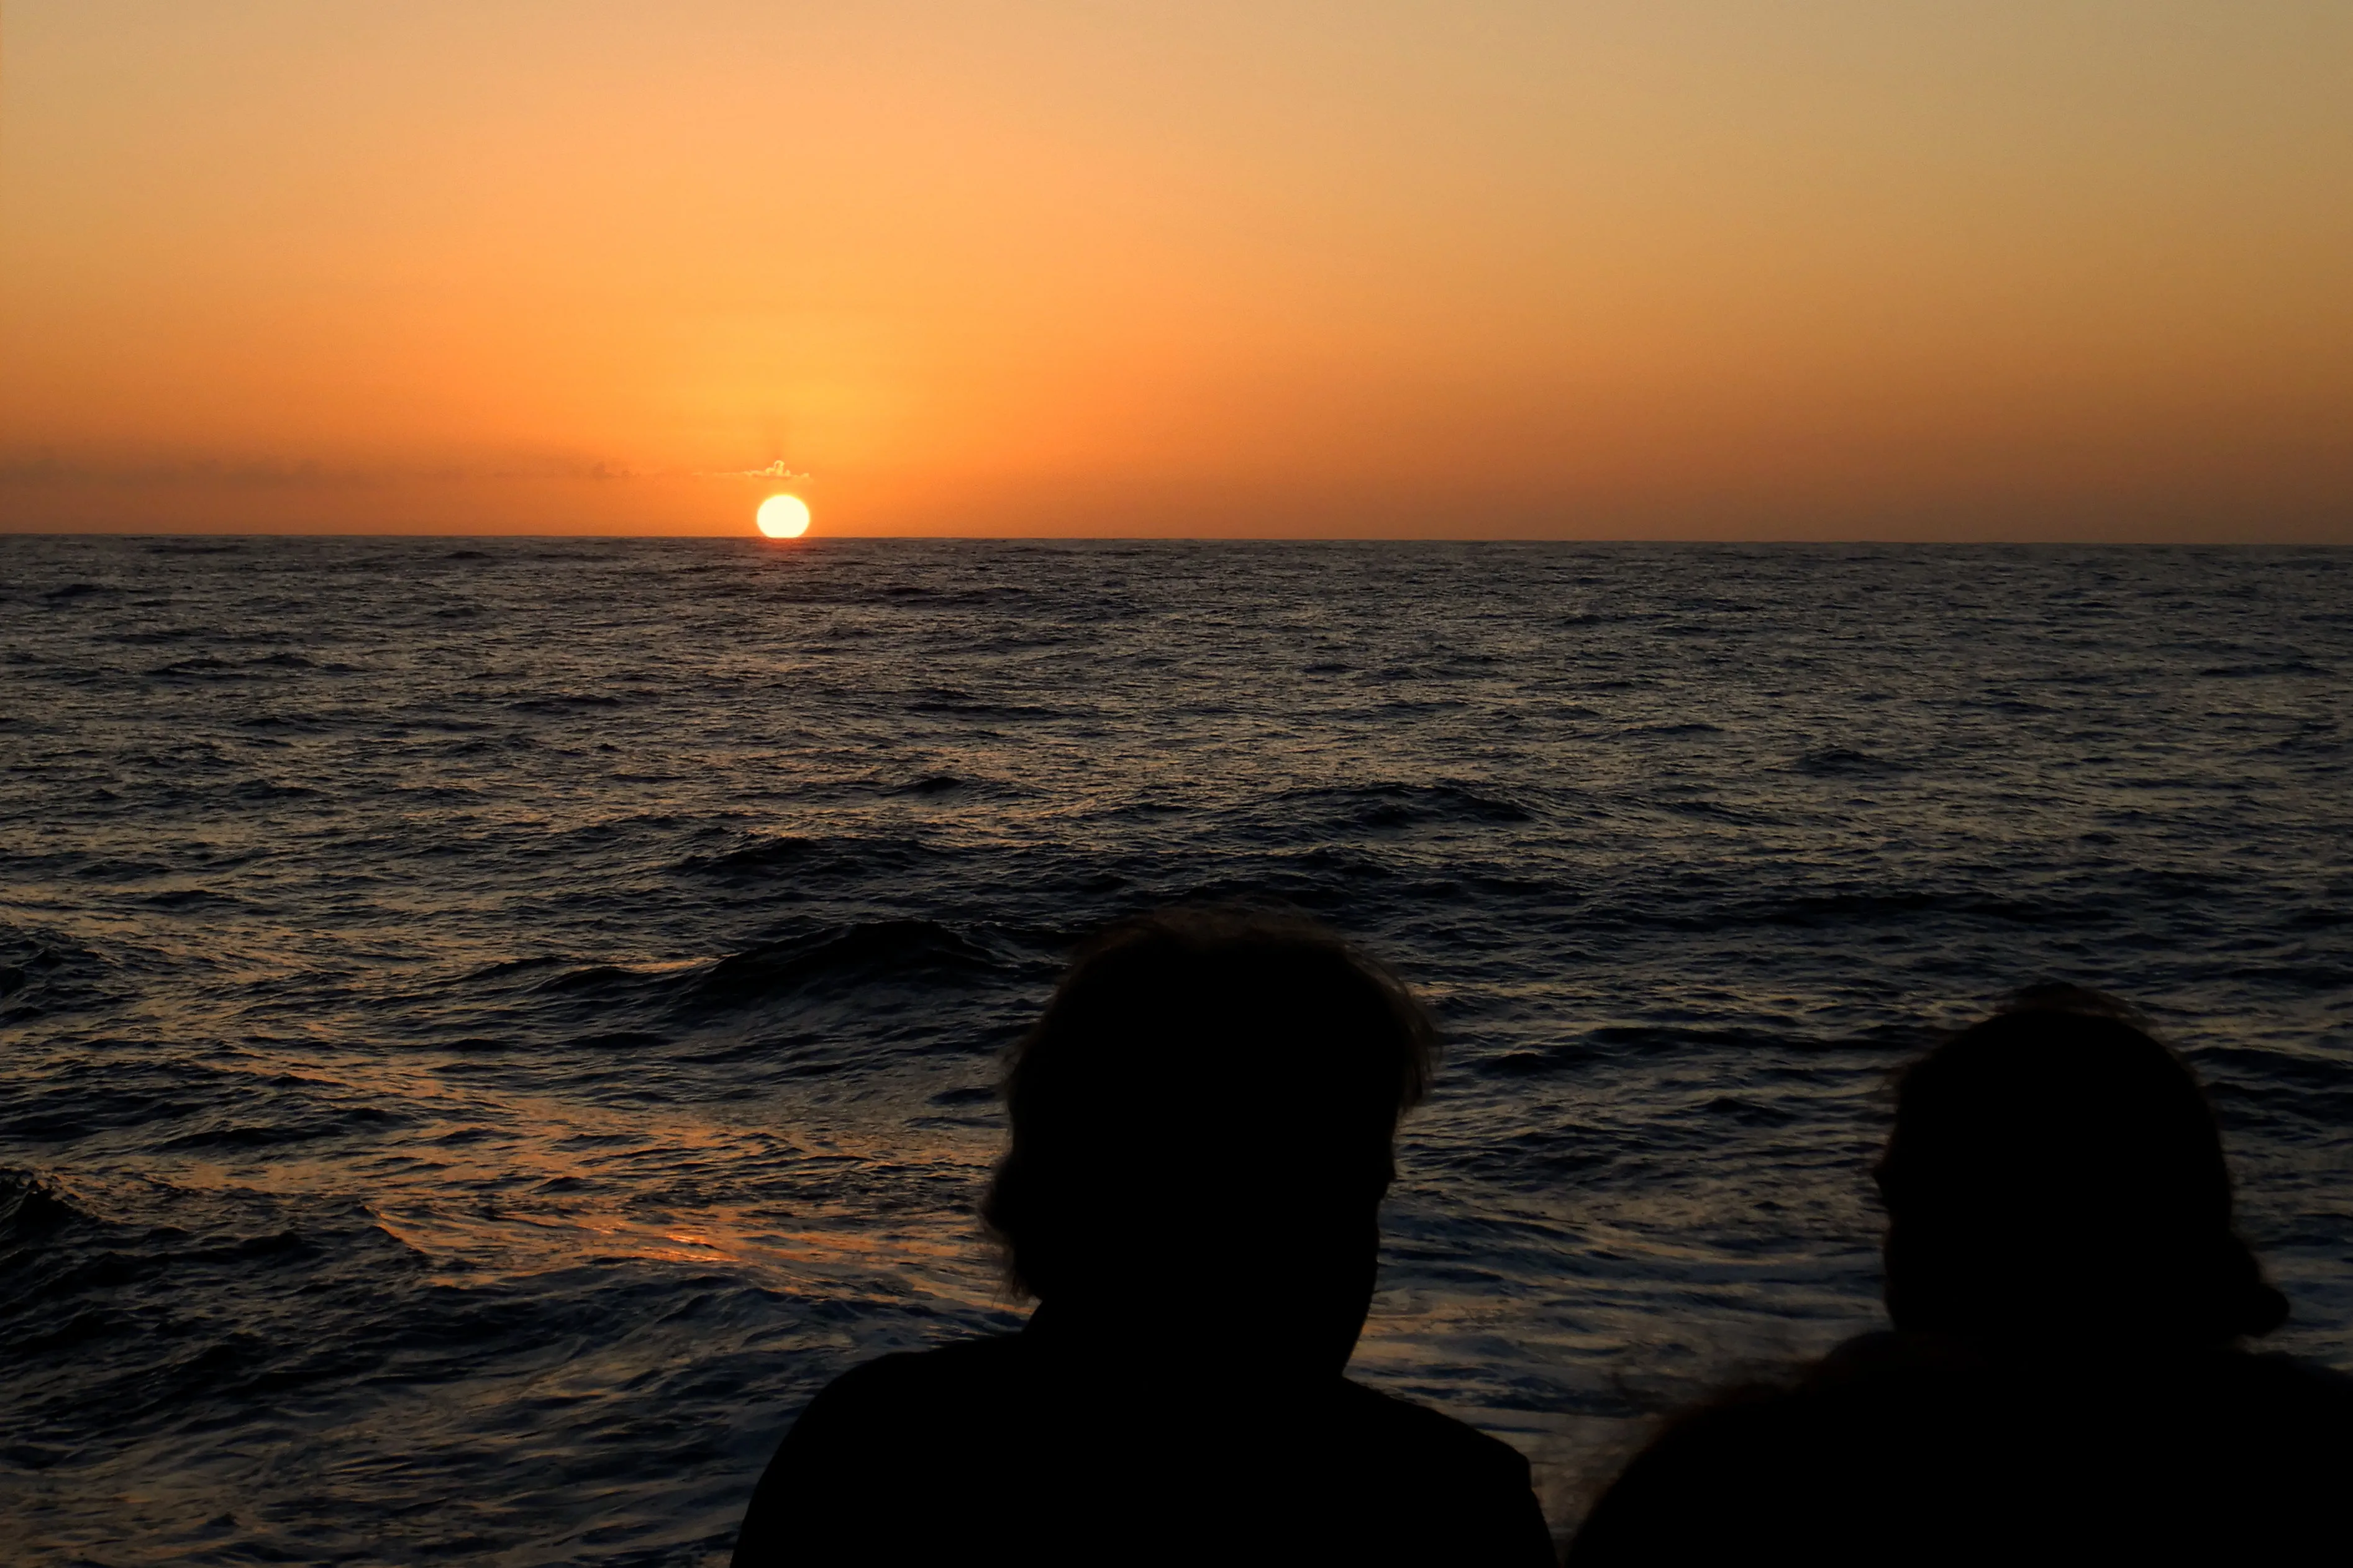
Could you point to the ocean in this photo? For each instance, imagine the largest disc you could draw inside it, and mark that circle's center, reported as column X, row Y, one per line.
column 489, row 1027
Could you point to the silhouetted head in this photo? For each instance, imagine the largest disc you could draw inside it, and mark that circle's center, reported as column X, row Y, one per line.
column 1201, row 1130
column 2055, row 1168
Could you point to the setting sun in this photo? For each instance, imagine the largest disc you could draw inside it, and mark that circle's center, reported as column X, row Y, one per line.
column 784, row 517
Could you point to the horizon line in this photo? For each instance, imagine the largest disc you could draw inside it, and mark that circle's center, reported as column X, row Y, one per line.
column 806, row 541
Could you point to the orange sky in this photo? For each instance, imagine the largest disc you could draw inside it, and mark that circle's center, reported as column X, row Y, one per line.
column 1845, row 268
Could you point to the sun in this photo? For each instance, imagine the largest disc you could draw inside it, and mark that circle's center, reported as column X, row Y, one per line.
column 784, row 517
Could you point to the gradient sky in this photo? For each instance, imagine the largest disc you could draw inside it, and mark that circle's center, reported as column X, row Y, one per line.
column 1846, row 269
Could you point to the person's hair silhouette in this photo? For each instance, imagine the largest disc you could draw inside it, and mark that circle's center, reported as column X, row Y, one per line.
column 1200, row 1136
column 2063, row 1382
column 2056, row 1170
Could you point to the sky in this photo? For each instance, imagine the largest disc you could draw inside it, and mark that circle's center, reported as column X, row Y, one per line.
column 1574, row 268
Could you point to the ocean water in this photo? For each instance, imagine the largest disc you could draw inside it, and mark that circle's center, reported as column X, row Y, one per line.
column 487, row 1028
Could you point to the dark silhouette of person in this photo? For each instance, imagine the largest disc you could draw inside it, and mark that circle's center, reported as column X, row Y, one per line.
column 2065, row 1381
column 1201, row 1130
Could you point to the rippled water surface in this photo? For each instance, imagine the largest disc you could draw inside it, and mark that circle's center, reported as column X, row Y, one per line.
column 488, row 1028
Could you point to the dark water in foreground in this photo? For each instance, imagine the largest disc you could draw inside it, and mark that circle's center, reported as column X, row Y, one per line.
column 487, row 1028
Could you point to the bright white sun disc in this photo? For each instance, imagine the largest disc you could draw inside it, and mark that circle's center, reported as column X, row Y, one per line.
column 784, row 517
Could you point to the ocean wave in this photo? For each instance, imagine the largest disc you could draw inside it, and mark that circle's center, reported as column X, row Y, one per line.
column 1376, row 808
column 1839, row 762
column 762, row 859
column 901, row 952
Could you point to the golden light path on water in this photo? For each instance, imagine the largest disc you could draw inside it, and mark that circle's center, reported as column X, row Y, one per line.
column 550, row 1186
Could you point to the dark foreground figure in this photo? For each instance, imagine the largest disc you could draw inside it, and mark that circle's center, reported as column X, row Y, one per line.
column 1201, row 1132
column 2064, row 1382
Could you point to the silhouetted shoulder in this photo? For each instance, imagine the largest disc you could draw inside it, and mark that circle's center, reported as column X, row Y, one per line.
column 1430, row 1488
column 993, row 1449
column 2320, row 1392
column 1919, row 1449
column 888, row 1391
column 1428, row 1440
column 845, row 1482
column 1706, row 1487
